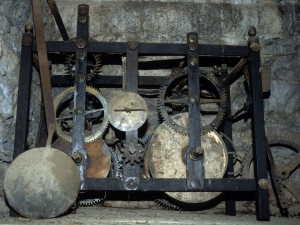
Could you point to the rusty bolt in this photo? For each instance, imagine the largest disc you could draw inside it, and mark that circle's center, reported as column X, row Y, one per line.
column 131, row 184
column 284, row 174
column 28, row 27
column 80, row 78
column 193, row 61
column 192, row 38
column 79, row 111
column 78, row 158
column 81, row 55
column 26, row 41
column 263, row 184
column 132, row 45
column 82, row 9
column 80, row 43
column 194, row 99
column 255, row 47
column 252, row 31
column 196, row 153
column 82, row 19
column 195, row 184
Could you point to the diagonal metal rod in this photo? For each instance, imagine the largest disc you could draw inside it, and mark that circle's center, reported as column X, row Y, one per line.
column 58, row 20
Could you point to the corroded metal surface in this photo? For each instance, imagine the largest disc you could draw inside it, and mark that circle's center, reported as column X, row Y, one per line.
column 100, row 158
column 166, row 158
column 42, row 183
column 127, row 111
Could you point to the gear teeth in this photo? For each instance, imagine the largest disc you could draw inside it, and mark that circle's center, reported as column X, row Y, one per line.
column 95, row 70
column 104, row 124
column 90, row 202
column 167, row 205
column 177, row 73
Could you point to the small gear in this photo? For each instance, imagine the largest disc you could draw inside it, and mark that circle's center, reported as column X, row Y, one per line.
column 174, row 93
column 133, row 153
column 93, row 65
column 97, row 115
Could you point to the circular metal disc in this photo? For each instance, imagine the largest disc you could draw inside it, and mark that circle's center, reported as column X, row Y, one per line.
column 167, row 158
column 100, row 158
column 42, row 183
column 130, row 120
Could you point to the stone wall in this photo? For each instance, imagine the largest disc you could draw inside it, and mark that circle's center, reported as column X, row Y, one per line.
column 217, row 22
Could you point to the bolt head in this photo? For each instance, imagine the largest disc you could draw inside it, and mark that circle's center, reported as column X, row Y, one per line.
column 28, row 27
column 252, row 31
column 80, row 78
column 82, row 9
column 82, row 19
column 263, row 184
column 26, row 41
column 192, row 38
column 195, row 184
column 81, row 55
column 79, row 111
column 132, row 45
column 78, row 158
column 131, row 184
column 80, row 43
column 193, row 61
column 194, row 99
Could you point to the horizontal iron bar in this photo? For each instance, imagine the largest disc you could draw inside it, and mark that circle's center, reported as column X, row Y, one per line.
column 148, row 48
column 154, row 184
column 64, row 80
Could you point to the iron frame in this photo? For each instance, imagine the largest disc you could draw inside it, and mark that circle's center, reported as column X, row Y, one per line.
column 133, row 82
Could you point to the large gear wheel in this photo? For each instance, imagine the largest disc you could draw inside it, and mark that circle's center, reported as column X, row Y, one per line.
column 64, row 114
column 93, row 65
column 291, row 150
column 174, row 93
column 167, row 152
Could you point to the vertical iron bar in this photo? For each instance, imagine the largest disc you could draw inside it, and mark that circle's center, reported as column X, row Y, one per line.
column 194, row 169
column 23, row 95
column 131, row 85
column 80, row 90
column 258, row 135
column 229, row 203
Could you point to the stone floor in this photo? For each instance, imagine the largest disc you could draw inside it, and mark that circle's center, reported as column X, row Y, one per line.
column 105, row 215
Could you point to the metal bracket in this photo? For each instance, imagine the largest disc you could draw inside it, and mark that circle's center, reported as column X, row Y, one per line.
column 80, row 95
column 194, row 165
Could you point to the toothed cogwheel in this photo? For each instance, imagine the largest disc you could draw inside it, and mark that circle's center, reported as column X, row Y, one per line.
column 62, row 103
column 133, row 153
column 174, row 93
column 93, row 65
column 291, row 149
